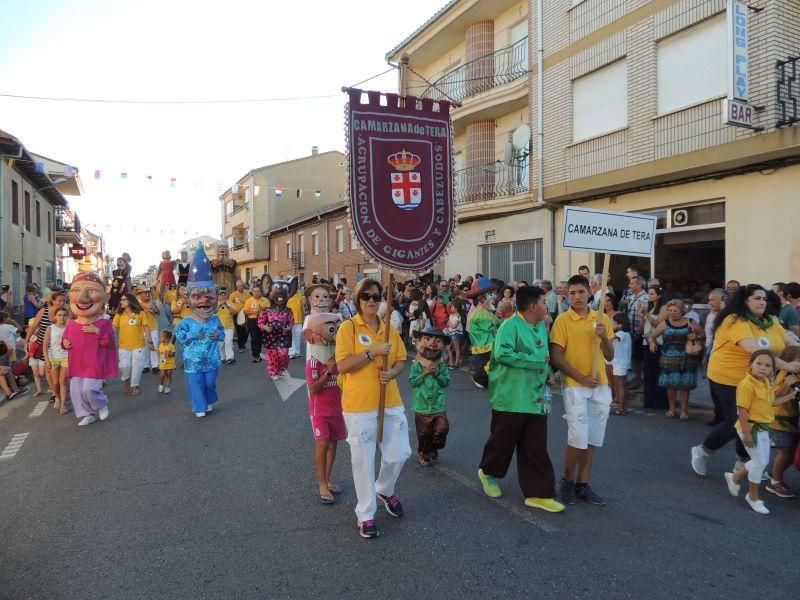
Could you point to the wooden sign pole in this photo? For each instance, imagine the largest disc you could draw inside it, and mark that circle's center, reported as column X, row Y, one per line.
column 601, row 309
column 387, row 332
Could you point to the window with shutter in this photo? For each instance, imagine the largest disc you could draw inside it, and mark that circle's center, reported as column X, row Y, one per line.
column 600, row 101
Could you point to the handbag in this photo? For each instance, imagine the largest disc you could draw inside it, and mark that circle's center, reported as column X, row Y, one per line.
column 36, row 350
column 241, row 318
column 694, row 347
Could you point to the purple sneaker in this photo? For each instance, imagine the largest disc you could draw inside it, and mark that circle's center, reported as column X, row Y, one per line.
column 392, row 504
column 367, row 529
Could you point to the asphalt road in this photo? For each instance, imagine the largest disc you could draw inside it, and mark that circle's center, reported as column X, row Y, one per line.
column 155, row 503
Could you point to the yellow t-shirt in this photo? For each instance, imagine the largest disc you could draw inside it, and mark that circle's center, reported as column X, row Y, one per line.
column 785, row 414
column 180, row 312
column 166, row 356
column 295, row 304
column 237, row 300
column 757, row 397
column 225, row 316
column 253, row 306
column 728, row 363
column 131, row 330
column 170, row 296
column 361, row 389
column 576, row 335
column 149, row 318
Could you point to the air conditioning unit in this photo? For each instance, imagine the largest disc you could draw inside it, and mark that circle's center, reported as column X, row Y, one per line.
column 680, row 218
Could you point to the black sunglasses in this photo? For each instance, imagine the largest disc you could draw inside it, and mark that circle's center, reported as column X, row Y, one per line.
column 367, row 297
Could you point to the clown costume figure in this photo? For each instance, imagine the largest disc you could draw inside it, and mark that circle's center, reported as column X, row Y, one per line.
column 276, row 322
column 89, row 341
column 199, row 333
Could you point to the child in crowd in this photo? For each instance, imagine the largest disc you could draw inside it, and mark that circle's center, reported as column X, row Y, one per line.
column 755, row 399
column 166, row 360
column 455, row 330
column 783, row 431
column 422, row 317
column 396, row 318
column 429, row 376
column 56, row 359
column 8, row 383
column 225, row 312
column 482, row 327
column 622, row 361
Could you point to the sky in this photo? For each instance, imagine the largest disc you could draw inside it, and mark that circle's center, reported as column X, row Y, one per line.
column 181, row 50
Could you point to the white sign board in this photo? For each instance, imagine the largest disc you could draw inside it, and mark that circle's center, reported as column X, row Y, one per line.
column 738, row 81
column 605, row 231
column 736, row 112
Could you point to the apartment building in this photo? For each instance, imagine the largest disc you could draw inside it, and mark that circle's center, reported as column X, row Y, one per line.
column 29, row 201
column 319, row 244
column 274, row 194
column 634, row 120
column 476, row 53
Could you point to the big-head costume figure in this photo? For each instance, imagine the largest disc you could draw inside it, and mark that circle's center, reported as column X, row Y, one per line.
column 276, row 322
column 319, row 327
column 89, row 340
column 199, row 334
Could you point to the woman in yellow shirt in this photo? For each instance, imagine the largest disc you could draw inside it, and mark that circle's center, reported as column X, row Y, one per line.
column 742, row 328
column 225, row 312
column 253, row 306
column 237, row 299
column 134, row 339
column 359, row 358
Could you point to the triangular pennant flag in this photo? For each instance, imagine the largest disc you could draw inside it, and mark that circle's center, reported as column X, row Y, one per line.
column 172, row 182
column 123, row 175
column 10, row 162
column 97, row 173
column 317, row 194
column 40, row 167
column 278, row 192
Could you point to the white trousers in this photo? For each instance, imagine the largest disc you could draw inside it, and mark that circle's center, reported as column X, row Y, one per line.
column 131, row 363
column 759, row 456
column 154, row 351
column 586, row 412
column 226, row 346
column 362, row 435
column 297, row 336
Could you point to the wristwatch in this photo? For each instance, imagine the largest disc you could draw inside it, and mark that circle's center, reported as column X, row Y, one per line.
column 328, row 374
column 369, row 354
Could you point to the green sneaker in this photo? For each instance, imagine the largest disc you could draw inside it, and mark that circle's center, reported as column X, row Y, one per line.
column 549, row 504
column 490, row 487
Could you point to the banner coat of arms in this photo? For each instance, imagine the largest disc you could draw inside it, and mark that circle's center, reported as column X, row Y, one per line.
column 401, row 185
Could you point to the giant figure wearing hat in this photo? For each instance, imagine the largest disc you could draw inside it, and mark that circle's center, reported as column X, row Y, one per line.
column 199, row 334
column 89, row 340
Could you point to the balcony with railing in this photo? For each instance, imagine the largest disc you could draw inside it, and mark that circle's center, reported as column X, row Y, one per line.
column 482, row 74
column 237, row 208
column 491, row 181
column 68, row 227
column 298, row 259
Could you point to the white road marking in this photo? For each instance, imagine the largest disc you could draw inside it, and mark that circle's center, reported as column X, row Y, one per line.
column 287, row 386
column 526, row 514
column 38, row 409
column 13, row 446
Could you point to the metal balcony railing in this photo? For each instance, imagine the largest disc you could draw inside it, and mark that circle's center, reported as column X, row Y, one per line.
column 235, row 210
column 241, row 246
column 490, row 71
column 298, row 259
column 66, row 222
column 494, row 180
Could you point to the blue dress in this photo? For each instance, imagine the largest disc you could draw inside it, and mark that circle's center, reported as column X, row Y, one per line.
column 677, row 370
column 200, row 354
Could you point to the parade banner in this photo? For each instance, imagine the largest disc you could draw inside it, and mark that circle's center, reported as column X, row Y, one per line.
column 401, row 180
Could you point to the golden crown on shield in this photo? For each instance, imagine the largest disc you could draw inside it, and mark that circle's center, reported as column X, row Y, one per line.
column 404, row 160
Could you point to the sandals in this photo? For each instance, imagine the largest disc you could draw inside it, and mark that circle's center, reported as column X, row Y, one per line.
column 335, row 489
column 684, row 417
column 327, row 499
column 135, row 391
column 620, row 412
column 669, row 414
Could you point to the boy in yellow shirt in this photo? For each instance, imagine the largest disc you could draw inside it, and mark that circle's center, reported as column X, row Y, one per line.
column 225, row 313
column 295, row 304
column 166, row 360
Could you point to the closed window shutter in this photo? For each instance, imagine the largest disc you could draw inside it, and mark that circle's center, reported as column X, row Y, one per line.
column 692, row 65
column 600, row 101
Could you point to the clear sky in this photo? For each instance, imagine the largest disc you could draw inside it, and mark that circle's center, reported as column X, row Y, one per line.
column 185, row 50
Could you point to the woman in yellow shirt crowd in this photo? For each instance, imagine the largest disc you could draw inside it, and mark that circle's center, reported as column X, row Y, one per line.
column 226, row 313
column 252, row 306
column 237, row 299
column 134, row 339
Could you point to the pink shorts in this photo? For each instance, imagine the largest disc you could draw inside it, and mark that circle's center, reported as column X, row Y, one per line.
column 329, row 428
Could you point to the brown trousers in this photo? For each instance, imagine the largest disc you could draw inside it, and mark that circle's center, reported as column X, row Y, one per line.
column 479, row 375
column 431, row 432
column 527, row 434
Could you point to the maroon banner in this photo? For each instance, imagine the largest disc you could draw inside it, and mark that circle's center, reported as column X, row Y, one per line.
column 401, row 186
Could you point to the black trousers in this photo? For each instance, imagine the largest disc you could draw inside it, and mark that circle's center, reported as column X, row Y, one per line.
column 654, row 395
column 255, row 337
column 241, row 335
column 527, row 434
column 431, row 432
column 480, row 375
column 723, row 432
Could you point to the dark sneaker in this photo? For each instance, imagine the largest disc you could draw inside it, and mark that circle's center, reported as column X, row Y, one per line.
column 567, row 491
column 780, row 489
column 146, row 370
column 367, row 529
column 392, row 504
column 435, row 455
column 586, row 494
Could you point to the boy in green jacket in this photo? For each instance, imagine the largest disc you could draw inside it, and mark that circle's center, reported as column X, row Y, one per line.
column 429, row 376
column 518, row 372
column 482, row 326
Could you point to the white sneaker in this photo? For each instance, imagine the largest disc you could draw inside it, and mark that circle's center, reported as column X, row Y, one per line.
column 87, row 420
column 733, row 487
column 167, row 390
column 103, row 413
column 210, row 408
column 757, row 506
column 274, row 377
column 199, row 414
column 160, row 389
column 699, row 460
